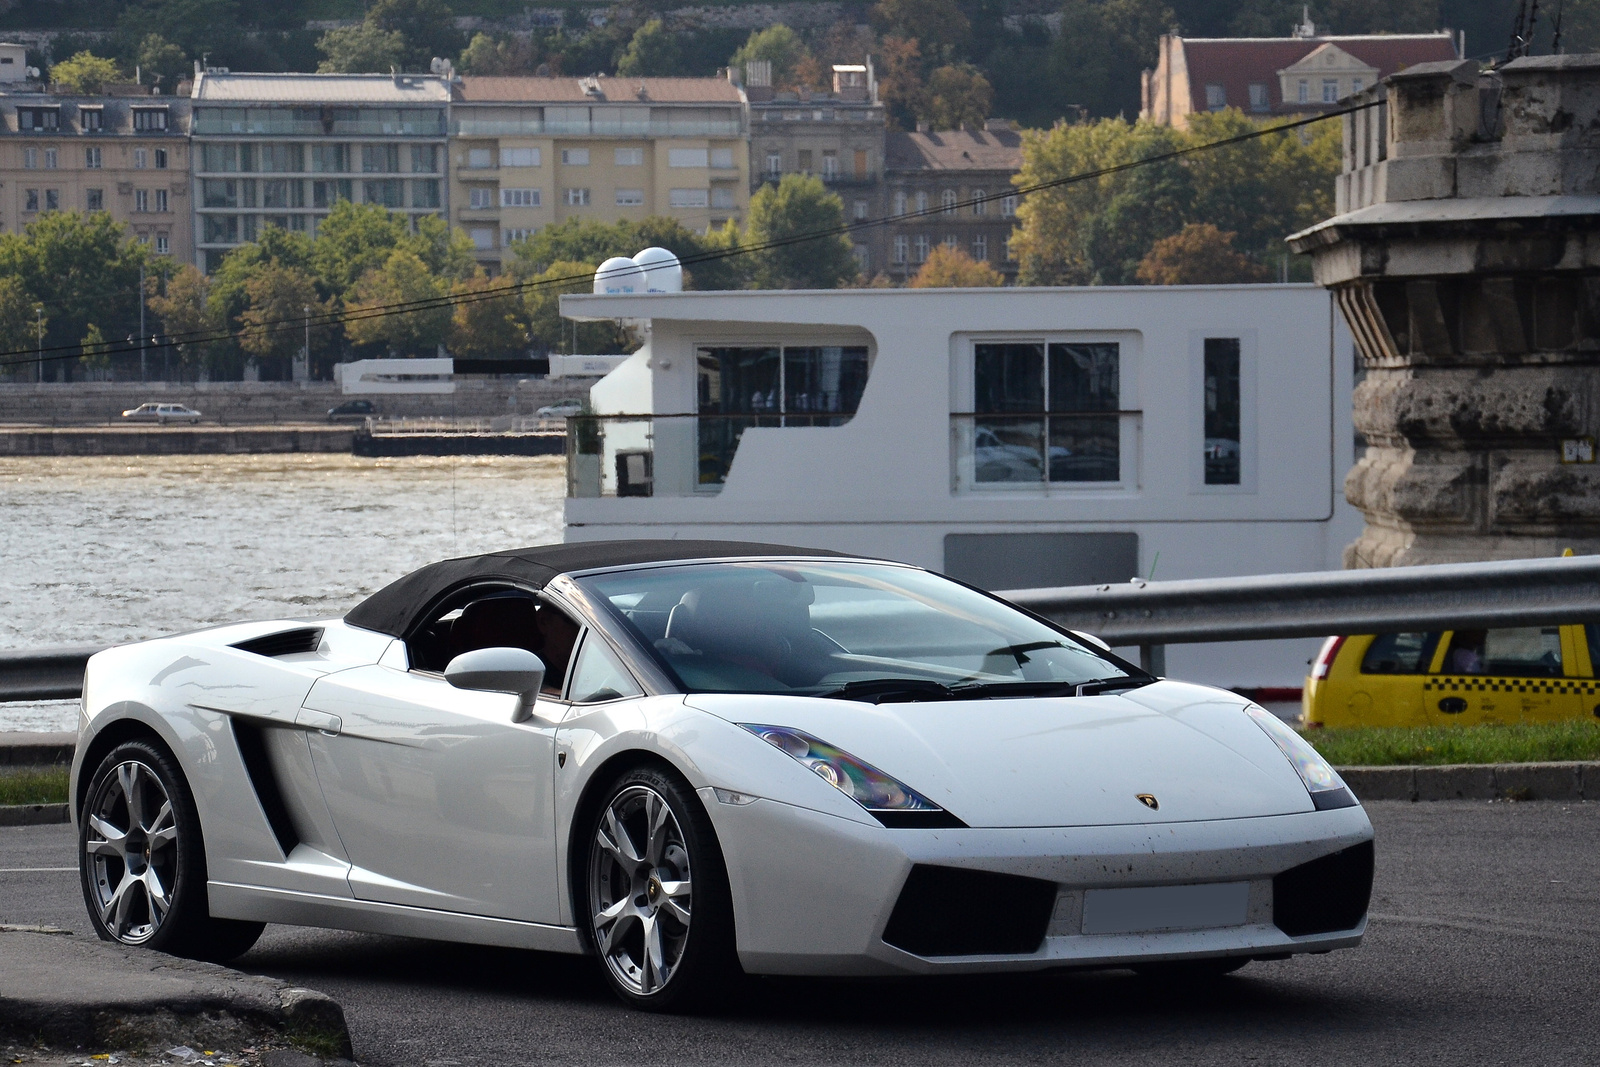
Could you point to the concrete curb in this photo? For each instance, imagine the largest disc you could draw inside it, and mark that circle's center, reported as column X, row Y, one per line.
column 68, row 991
column 33, row 814
column 1480, row 781
column 37, row 750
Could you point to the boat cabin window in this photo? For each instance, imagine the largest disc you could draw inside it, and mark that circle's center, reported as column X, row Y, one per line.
column 1046, row 412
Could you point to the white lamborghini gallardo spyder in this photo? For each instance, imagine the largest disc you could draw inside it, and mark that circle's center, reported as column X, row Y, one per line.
column 691, row 758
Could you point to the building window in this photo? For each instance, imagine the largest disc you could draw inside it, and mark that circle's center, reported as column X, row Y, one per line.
column 519, row 157
column 1259, row 100
column 688, row 198
column 790, row 386
column 980, row 206
column 325, row 159
column 291, row 158
column 722, row 197
column 947, row 201
column 482, row 238
column 217, row 192
column 141, row 158
column 1356, row 85
column 830, row 166
column 774, row 164
column 425, row 192
column 628, row 157
column 519, row 198
column 218, row 158
column 1010, row 251
column 921, row 246
column 375, row 158
column 94, row 199
column 722, row 159
column 951, row 241
column 30, row 200
column 630, row 197
column 901, row 244
column 425, row 159
column 387, row 192
column 860, row 210
column 220, row 229
column 863, row 258
column 163, row 246
column 1305, row 91
column 1222, row 410
column 52, row 199
column 324, row 194
column 91, row 119
column 282, row 194
column 577, row 197
column 50, row 159
column 804, row 158
column 900, row 202
column 30, row 158
column 149, row 118
column 521, row 233
column 575, row 157
column 1216, row 97
column 38, row 118
column 1046, row 413
column 980, row 247
column 161, row 159
column 922, row 201
column 161, row 200
column 480, row 158
column 1008, row 206
column 1330, row 90
column 688, row 157
column 480, row 197
column 141, row 199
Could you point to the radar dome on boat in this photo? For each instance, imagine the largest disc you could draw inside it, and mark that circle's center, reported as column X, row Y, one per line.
column 662, row 271
column 619, row 274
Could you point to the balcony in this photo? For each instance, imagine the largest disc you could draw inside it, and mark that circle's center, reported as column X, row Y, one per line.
column 539, row 127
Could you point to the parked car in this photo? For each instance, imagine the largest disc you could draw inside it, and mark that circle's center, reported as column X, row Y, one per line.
column 1455, row 677
column 162, row 413
column 352, row 409
column 684, row 758
column 561, row 409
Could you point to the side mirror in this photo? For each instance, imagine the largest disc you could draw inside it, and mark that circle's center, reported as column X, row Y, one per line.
column 500, row 670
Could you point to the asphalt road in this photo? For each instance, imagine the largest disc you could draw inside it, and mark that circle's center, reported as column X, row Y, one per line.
column 1484, row 949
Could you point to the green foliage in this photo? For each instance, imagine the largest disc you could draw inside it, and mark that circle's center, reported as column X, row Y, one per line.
column 957, row 95
column 549, row 330
column 425, row 26
column 798, row 204
column 653, row 52
column 85, row 73
column 402, row 279
column 486, row 54
column 939, row 26
column 183, row 309
column 777, row 43
column 276, row 294
column 591, row 241
column 30, row 786
column 1199, row 254
column 489, row 322
column 1435, row 745
column 363, row 49
column 160, row 59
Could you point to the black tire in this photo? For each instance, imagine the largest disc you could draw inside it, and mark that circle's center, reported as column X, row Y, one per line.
column 160, row 853
column 704, row 966
column 1185, row 971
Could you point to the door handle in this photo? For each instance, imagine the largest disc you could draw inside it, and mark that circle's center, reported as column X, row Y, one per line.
column 321, row 721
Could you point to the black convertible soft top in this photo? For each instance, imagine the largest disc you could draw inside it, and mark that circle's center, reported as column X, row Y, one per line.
column 394, row 608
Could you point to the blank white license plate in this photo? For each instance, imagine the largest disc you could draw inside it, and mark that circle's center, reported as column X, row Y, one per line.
column 1152, row 909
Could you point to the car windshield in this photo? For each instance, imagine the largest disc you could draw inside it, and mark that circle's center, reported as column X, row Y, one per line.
column 837, row 628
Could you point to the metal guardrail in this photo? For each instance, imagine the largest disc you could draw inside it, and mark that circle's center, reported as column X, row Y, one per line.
column 1524, row 592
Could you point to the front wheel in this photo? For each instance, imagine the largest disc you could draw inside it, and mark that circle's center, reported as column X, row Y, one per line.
column 142, row 862
column 655, row 895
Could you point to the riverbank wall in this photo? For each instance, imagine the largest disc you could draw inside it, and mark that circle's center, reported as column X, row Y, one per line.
column 173, row 440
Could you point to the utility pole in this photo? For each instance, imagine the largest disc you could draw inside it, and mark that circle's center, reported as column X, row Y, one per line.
column 307, row 309
column 38, row 312
column 141, row 322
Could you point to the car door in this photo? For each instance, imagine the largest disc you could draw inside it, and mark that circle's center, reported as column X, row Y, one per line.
column 440, row 799
column 1383, row 679
column 1518, row 674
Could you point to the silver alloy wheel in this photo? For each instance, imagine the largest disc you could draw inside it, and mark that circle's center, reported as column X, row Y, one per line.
column 131, row 849
column 640, row 891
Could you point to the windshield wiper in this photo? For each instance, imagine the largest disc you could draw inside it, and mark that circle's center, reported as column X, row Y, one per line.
column 890, row 690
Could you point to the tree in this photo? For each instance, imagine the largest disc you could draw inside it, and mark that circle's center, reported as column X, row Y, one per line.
column 277, row 295
column 938, row 25
column 162, row 59
column 17, row 323
column 653, row 52
column 85, row 74
column 352, row 240
column 799, row 204
column 363, row 49
column 496, row 55
column 487, row 325
column 403, row 279
column 951, row 268
column 184, row 311
column 549, row 330
column 958, row 96
column 778, row 44
column 426, row 27
column 900, row 85
column 1199, row 254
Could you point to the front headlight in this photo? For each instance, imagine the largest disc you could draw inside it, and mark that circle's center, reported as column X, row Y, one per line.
column 890, row 801
column 1327, row 789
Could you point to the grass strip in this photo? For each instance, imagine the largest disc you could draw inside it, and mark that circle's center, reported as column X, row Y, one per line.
column 30, row 786
column 1577, row 739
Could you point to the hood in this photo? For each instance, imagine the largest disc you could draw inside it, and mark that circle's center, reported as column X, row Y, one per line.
column 1055, row 761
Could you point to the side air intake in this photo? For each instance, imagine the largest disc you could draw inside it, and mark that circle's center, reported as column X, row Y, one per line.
column 283, row 643
column 952, row 911
column 1326, row 895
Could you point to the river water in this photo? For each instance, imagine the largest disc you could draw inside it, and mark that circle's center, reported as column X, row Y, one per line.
column 100, row 549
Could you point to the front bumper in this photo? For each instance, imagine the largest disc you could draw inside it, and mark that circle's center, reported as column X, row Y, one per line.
column 813, row 893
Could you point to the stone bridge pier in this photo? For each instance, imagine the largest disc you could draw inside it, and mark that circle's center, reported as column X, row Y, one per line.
column 1465, row 256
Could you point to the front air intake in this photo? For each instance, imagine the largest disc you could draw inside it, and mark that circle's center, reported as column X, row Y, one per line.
column 952, row 911
column 1326, row 895
column 284, row 642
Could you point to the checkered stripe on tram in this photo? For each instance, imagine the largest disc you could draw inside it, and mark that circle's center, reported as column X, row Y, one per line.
column 1584, row 686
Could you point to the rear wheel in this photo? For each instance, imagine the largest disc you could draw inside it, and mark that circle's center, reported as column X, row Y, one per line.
column 655, row 895
column 142, row 862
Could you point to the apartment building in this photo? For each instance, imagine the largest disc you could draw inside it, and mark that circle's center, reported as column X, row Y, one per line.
column 126, row 155
column 527, row 152
column 282, row 149
column 837, row 136
column 943, row 172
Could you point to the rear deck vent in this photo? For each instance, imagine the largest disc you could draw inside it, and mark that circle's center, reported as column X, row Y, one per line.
column 284, row 643
column 1325, row 895
column 951, row 911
